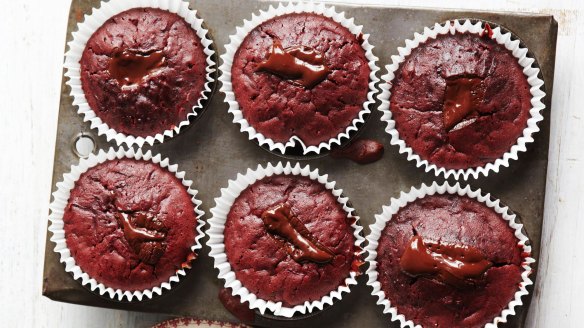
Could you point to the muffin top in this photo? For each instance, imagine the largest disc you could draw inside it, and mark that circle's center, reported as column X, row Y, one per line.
column 288, row 240
column 301, row 75
column 130, row 224
column 460, row 101
column 449, row 261
column 143, row 70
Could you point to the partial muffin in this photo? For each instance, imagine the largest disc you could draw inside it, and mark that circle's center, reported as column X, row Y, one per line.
column 187, row 322
column 143, row 71
column 130, row 224
column 289, row 240
column 300, row 74
column 460, row 100
column 449, row 261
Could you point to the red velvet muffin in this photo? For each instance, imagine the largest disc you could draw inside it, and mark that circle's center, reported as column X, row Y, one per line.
column 130, row 224
column 449, row 261
column 460, row 101
column 300, row 74
column 143, row 70
column 288, row 240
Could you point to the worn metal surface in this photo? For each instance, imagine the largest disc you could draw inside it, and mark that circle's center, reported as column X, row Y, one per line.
column 213, row 151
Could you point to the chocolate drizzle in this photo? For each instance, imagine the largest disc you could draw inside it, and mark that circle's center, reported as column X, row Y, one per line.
column 487, row 31
column 361, row 151
column 452, row 264
column 130, row 66
column 462, row 96
column 302, row 65
column 146, row 244
column 285, row 226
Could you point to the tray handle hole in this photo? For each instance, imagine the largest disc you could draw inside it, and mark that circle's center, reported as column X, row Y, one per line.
column 83, row 145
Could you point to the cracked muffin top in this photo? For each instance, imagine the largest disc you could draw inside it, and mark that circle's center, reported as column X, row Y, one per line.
column 143, row 70
column 288, row 240
column 130, row 224
column 301, row 75
column 449, row 261
column 460, row 101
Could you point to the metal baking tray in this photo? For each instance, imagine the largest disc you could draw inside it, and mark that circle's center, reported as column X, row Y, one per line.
column 213, row 151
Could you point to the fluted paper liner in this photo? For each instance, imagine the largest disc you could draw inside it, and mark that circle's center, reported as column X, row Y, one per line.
column 445, row 188
column 93, row 22
column 505, row 39
column 263, row 16
column 61, row 198
column 216, row 238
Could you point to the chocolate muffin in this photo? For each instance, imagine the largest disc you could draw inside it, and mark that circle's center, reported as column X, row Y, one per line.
column 130, row 224
column 143, row 70
column 300, row 74
column 289, row 240
column 449, row 261
column 460, row 100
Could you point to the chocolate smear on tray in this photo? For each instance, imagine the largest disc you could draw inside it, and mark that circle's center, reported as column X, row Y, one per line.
column 301, row 64
column 451, row 264
column 283, row 224
column 361, row 151
column 130, row 66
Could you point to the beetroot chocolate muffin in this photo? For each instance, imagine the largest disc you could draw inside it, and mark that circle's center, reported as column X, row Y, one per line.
column 130, row 224
column 449, row 261
column 460, row 101
column 300, row 74
column 143, row 70
column 288, row 240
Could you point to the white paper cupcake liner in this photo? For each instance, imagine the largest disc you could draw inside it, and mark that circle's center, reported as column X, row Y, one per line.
column 93, row 22
column 445, row 188
column 216, row 238
column 503, row 38
column 61, row 198
column 263, row 16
